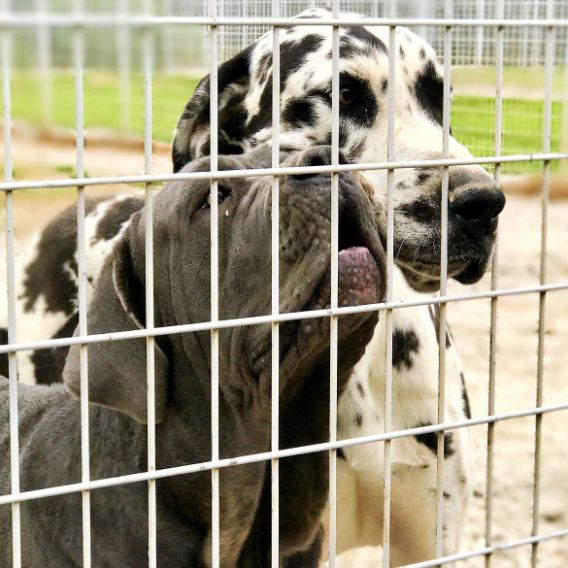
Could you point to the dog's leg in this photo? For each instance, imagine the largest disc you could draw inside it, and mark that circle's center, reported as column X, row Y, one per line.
column 413, row 520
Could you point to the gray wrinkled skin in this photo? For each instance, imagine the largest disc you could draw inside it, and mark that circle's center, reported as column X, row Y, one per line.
column 49, row 418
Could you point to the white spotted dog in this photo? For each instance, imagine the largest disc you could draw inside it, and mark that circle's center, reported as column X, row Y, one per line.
column 245, row 95
column 48, row 283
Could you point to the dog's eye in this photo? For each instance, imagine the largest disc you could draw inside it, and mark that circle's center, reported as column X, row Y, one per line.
column 346, row 96
column 222, row 194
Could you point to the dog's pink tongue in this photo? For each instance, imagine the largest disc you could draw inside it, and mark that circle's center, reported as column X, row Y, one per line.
column 358, row 275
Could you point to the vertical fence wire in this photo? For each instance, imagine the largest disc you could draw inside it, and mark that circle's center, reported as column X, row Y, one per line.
column 442, row 329
column 334, row 288
column 546, row 143
column 214, row 163
column 388, row 314
column 44, row 60
column 123, row 64
column 79, row 55
column 275, row 285
column 494, row 285
column 11, row 286
column 147, row 66
column 148, row 51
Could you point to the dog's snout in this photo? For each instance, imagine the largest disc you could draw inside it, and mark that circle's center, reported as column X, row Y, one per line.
column 475, row 198
column 316, row 156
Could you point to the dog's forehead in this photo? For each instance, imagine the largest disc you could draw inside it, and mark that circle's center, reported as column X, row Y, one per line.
column 306, row 56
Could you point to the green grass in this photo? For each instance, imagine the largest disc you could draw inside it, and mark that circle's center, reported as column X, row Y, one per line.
column 473, row 124
column 527, row 79
column 473, row 117
column 102, row 103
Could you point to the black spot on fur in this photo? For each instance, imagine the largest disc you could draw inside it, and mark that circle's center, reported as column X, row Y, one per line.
column 364, row 107
column 233, row 78
column 423, row 177
column 422, row 53
column 359, row 419
column 264, row 64
column 384, row 85
column 404, row 343
column 264, row 116
column 465, row 397
column 298, row 113
column 356, row 150
column 447, row 496
column 4, row 356
column 49, row 272
column 293, row 54
column 429, row 92
column 430, row 440
column 401, row 52
column 367, row 44
column 422, row 210
column 115, row 216
column 48, row 363
column 360, row 389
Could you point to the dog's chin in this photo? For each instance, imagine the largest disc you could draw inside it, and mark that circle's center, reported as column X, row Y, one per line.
column 360, row 282
column 425, row 278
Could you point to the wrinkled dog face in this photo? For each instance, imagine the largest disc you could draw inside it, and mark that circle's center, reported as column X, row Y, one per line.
column 244, row 269
column 245, row 98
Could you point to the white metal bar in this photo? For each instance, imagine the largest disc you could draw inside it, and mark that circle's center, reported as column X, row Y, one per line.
column 494, row 285
column 214, row 160
column 442, row 328
column 480, row 32
column 275, row 286
column 388, row 315
column 123, row 57
column 141, row 21
column 546, row 143
column 266, row 456
column 334, row 290
column 147, row 65
column 44, row 60
column 281, row 171
column 11, row 290
column 291, row 316
column 168, row 41
column 490, row 549
column 78, row 52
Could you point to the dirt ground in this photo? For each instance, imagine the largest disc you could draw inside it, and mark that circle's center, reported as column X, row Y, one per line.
column 516, row 367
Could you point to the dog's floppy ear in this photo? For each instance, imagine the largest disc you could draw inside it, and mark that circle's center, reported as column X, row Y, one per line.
column 117, row 369
column 192, row 137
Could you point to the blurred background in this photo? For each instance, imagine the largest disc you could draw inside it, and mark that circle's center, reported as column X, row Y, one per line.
column 43, row 59
column 42, row 88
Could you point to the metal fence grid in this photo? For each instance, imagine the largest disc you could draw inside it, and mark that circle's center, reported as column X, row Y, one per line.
column 79, row 24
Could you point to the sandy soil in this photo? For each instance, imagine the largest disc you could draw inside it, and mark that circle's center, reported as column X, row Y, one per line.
column 516, row 367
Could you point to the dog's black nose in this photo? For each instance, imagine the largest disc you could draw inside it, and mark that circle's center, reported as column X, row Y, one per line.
column 475, row 198
column 316, row 156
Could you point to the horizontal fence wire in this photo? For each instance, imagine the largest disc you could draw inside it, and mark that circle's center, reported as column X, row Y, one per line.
column 488, row 550
column 269, row 172
column 147, row 23
column 255, row 320
column 267, row 456
column 116, row 20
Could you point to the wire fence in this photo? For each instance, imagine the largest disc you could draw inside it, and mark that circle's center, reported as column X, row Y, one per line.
column 521, row 33
column 44, row 57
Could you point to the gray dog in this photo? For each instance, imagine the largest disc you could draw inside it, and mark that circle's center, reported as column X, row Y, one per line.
column 49, row 418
